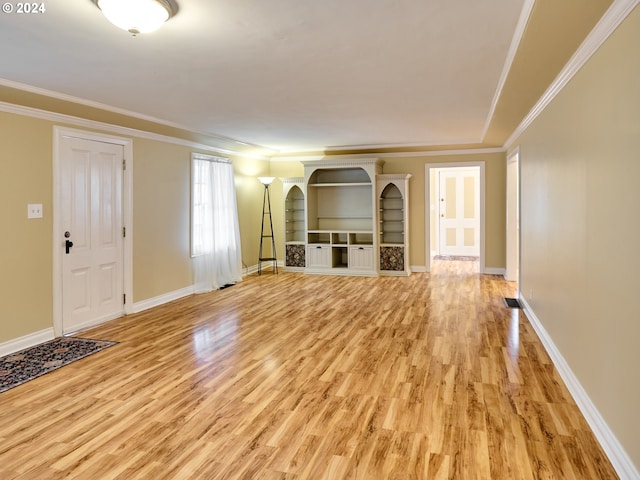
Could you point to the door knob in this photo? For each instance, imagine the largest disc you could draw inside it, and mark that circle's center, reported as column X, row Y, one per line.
column 67, row 245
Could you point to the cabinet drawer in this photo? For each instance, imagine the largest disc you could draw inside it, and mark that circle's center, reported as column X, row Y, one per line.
column 361, row 258
column 318, row 256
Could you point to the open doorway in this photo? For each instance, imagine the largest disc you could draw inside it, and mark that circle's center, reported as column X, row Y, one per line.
column 512, row 273
column 455, row 212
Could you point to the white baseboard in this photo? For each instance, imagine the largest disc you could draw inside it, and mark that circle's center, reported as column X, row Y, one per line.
column 27, row 341
column 249, row 270
column 265, row 265
column 619, row 458
column 162, row 299
column 418, row 268
column 184, row 292
column 495, row 271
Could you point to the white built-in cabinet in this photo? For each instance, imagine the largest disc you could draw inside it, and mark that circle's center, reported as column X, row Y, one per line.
column 341, row 216
column 294, row 224
column 352, row 215
column 393, row 219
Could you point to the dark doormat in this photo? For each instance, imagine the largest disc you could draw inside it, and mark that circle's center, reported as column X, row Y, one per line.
column 512, row 302
column 33, row 362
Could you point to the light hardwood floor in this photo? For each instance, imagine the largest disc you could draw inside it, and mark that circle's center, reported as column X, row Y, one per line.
column 309, row 377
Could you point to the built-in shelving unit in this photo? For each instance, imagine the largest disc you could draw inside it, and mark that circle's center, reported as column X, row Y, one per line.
column 393, row 191
column 294, row 222
column 347, row 218
column 341, row 216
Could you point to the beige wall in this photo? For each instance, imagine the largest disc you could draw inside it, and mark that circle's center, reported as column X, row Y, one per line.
column 495, row 194
column 25, row 245
column 161, row 206
column 161, row 203
column 580, row 227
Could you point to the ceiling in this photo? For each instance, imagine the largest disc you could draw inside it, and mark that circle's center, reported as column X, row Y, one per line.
column 301, row 75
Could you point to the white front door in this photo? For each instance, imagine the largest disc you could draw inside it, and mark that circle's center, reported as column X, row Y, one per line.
column 91, row 225
column 459, row 207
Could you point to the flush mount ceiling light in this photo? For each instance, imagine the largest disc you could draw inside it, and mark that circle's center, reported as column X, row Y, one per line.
column 138, row 16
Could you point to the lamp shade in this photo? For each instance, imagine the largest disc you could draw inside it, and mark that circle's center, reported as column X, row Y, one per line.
column 266, row 180
column 137, row 16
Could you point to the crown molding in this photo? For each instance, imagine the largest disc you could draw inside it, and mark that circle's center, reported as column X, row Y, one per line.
column 233, row 144
column 383, row 146
column 117, row 129
column 613, row 17
column 511, row 54
column 424, row 153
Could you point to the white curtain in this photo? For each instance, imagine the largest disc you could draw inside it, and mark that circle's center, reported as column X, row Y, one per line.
column 217, row 259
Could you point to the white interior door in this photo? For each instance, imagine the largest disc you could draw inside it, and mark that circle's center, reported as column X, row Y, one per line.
column 459, row 211
column 91, row 220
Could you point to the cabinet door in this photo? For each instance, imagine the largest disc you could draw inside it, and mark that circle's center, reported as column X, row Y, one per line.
column 318, row 256
column 361, row 258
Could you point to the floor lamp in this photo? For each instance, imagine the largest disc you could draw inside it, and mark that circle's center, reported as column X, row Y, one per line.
column 266, row 212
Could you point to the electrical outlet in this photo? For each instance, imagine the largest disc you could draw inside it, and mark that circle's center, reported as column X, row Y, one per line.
column 34, row 210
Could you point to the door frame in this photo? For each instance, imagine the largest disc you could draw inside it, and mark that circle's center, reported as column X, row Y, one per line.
column 513, row 227
column 127, row 217
column 428, row 213
column 438, row 205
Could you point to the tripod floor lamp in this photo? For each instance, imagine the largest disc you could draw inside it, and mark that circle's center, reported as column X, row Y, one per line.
column 266, row 214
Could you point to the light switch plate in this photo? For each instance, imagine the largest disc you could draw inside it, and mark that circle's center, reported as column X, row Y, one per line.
column 34, row 210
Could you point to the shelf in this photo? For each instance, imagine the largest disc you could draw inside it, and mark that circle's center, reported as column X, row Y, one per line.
column 295, row 234
column 396, row 240
column 339, row 238
column 337, row 230
column 340, row 184
column 319, row 238
column 339, row 257
column 346, row 218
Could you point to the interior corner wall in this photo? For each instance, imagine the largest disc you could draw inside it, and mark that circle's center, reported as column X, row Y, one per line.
column 580, row 227
column 249, row 196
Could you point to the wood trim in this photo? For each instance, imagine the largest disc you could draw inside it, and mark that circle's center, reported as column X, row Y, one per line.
column 427, row 208
column 127, row 216
column 162, row 299
column 26, row 341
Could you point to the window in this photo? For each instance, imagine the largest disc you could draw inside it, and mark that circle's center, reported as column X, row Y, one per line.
column 215, row 235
